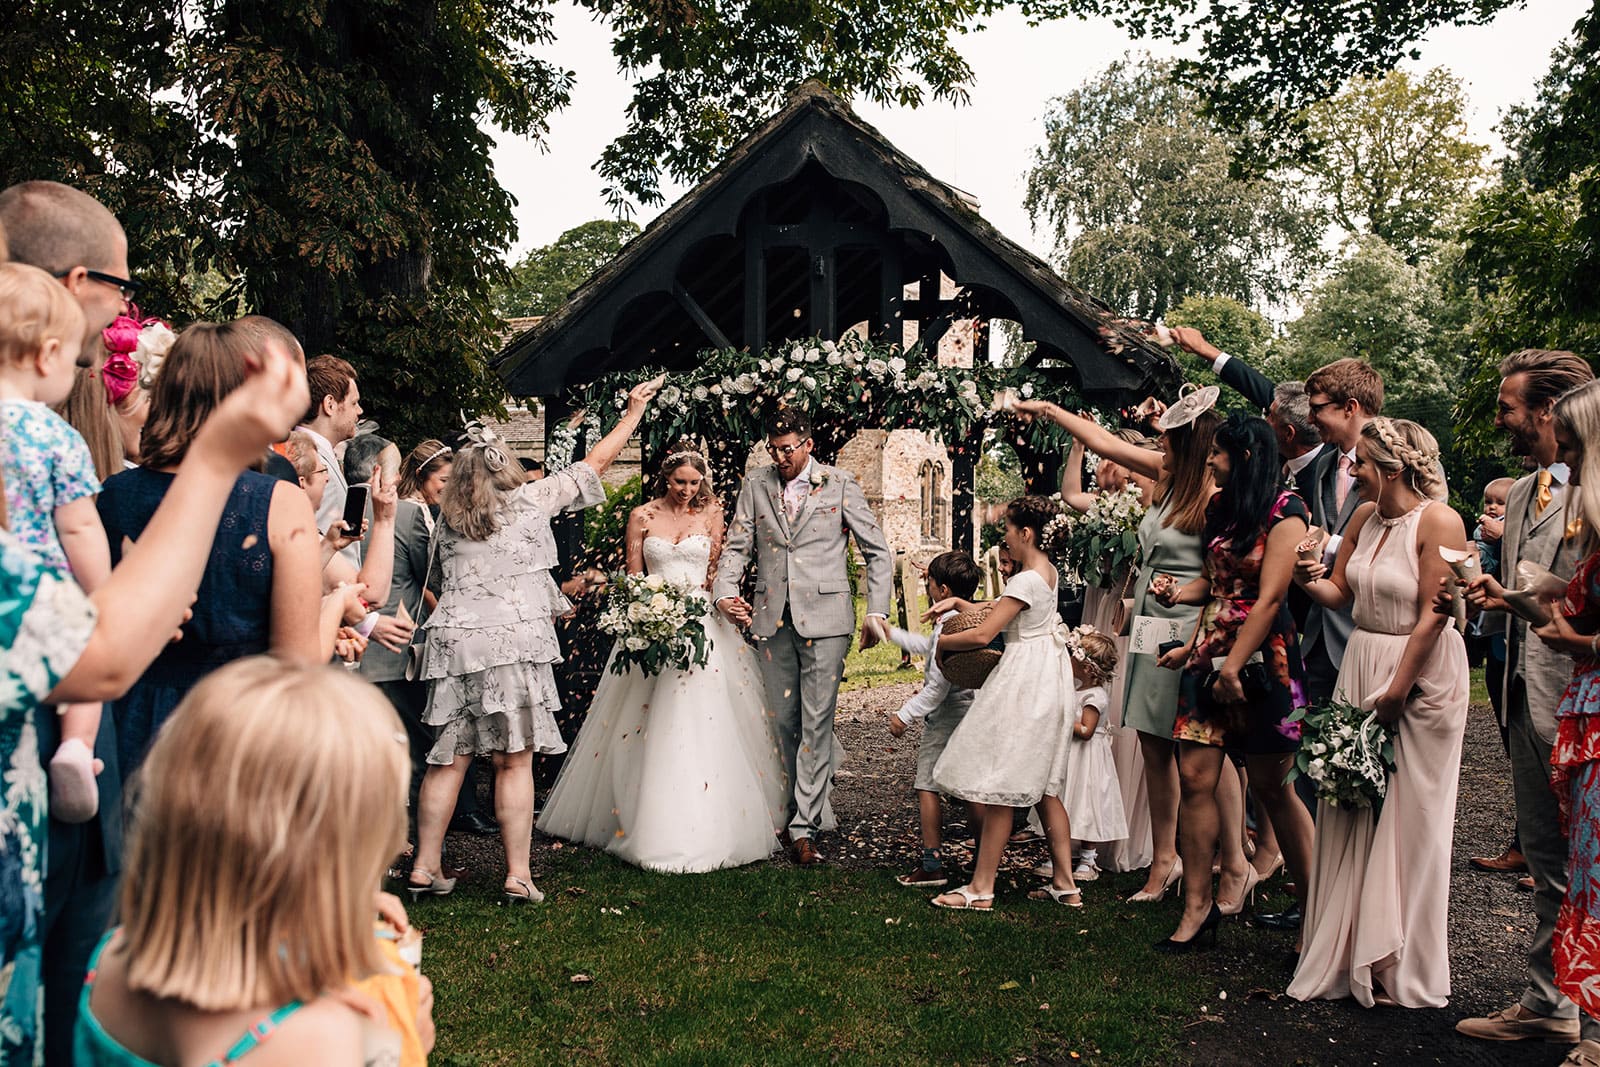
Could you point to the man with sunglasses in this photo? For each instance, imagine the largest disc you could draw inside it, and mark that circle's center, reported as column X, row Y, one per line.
column 795, row 519
column 72, row 236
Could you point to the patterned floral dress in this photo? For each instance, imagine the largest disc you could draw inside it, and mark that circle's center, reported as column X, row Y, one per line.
column 1261, row 726
column 45, row 622
column 1575, row 777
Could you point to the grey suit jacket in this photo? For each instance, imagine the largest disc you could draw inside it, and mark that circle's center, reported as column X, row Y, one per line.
column 803, row 566
column 1544, row 671
column 1333, row 627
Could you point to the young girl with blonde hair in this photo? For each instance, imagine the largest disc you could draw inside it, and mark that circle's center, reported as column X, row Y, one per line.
column 264, row 817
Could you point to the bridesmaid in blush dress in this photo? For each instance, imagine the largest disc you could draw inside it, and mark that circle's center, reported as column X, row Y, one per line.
column 1376, row 926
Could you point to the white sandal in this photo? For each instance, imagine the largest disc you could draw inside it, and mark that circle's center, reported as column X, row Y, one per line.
column 1050, row 892
column 969, row 899
column 529, row 895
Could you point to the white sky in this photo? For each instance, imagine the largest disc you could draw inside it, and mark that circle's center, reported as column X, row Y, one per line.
column 984, row 147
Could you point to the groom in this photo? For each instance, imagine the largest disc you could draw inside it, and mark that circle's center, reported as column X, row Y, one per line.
column 796, row 515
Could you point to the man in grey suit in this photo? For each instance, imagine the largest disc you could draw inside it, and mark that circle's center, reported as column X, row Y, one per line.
column 794, row 519
column 1535, row 529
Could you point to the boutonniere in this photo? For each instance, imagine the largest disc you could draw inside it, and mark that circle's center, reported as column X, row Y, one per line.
column 819, row 478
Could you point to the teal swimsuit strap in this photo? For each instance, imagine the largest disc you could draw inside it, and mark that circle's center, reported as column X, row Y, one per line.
column 257, row 1035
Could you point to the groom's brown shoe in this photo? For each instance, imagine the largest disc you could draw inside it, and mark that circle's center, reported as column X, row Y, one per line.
column 805, row 854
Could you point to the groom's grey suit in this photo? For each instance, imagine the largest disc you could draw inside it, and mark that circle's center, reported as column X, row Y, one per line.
column 803, row 613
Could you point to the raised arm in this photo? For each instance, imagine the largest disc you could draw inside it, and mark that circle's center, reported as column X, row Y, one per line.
column 1245, row 379
column 604, row 453
column 377, row 558
column 1096, row 437
column 1072, row 480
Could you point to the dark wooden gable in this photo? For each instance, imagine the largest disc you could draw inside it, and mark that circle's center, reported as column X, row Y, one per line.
column 813, row 224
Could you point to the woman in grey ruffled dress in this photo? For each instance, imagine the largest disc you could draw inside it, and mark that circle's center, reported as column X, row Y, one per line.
column 491, row 641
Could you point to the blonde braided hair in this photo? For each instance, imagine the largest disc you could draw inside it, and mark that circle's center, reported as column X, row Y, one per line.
column 1400, row 446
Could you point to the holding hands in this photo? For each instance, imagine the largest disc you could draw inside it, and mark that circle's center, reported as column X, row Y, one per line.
column 736, row 610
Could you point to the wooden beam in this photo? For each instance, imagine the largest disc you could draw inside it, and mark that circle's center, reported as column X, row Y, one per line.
column 698, row 314
column 755, row 275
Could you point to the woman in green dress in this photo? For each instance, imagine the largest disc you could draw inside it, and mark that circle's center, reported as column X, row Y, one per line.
column 1169, row 547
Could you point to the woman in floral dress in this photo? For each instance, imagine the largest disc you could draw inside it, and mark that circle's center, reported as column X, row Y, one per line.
column 1242, row 676
column 59, row 646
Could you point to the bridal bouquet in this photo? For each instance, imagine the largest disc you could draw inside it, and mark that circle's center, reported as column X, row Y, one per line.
column 1346, row 752
column 657, row 623
column 1101, row 544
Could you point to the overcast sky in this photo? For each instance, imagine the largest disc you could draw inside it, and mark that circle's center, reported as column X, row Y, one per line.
column 984, row 147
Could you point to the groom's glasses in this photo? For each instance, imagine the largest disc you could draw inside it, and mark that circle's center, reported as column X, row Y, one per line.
column 786, row 451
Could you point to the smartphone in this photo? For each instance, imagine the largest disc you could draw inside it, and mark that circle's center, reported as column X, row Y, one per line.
column 355, row 509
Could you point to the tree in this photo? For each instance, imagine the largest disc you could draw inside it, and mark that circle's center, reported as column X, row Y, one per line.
column 1393, row 157
column 1377, row 307
column 545, row 277
column 1137, row 189
column 1232, row 327
column 326, row 159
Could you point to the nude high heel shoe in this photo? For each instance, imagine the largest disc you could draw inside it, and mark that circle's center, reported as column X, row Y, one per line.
column 1248, row 893
column 1174, row 876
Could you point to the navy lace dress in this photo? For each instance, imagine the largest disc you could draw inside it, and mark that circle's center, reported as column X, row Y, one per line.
column 231, row 615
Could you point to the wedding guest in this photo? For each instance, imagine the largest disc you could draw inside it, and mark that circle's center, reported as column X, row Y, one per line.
column 73, row 238
column 1531, row 380
column 1253, row 526
column 50, row 486
column 940, row 706
column 491, row 640
column 1574, row 630
column 1486, row 648
column 267, row 815
column 1342, row 396
column 1105, row 608
column 61, row 646
column 331, row 421
column 1170, row 554
column 1007, row 750
column 1088, row 789
column 1377, row 914
column 261, row 588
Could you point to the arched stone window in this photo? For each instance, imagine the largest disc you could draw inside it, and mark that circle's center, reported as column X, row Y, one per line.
column 935, row 501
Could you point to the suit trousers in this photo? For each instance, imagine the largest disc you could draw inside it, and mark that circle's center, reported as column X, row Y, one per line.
column 1544, row 847
column 80, row 896
column 801, row 676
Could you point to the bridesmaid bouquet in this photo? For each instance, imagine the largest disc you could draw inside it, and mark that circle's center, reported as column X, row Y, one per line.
column 1100, row 545
column 1346, row 752
column 657, row 623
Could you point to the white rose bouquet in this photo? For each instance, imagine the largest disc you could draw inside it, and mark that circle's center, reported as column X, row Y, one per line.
column 1101, row 544
column 657, row 623
column 1346, row 752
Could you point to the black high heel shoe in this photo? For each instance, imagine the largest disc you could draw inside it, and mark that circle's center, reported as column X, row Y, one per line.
column 1206, row 936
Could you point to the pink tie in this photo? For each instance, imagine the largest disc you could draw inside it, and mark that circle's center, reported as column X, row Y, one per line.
column 1341, row 488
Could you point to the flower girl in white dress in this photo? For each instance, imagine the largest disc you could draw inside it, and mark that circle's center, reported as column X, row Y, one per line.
column 1090, row 791
column 1008, row 750
column 676, row 772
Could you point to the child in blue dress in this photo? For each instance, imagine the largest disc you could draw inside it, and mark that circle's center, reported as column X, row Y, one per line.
column 51, row 485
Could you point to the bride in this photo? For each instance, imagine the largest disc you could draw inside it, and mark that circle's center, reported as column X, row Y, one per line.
column 677, row 772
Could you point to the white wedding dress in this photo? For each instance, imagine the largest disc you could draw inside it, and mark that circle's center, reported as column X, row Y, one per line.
column 679, row 772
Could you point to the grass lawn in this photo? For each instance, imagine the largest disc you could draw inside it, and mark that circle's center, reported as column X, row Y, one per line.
column 775, row 965
column 881, row 665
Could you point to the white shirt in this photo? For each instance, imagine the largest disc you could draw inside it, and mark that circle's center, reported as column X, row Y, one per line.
column 795, row 490
column 1299, row 463
column 936, row 688
column 331, row 510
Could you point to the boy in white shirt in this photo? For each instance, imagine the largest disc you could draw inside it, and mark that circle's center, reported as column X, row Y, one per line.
column 940, row 705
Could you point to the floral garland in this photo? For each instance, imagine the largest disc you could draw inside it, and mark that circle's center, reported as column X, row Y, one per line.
column 849, row 383
column 1101, row 544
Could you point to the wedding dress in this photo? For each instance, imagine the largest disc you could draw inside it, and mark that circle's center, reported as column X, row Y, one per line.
column 678, row 772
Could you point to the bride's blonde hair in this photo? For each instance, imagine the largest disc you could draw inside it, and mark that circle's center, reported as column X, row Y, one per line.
column 686, row 454
column 264, row 817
